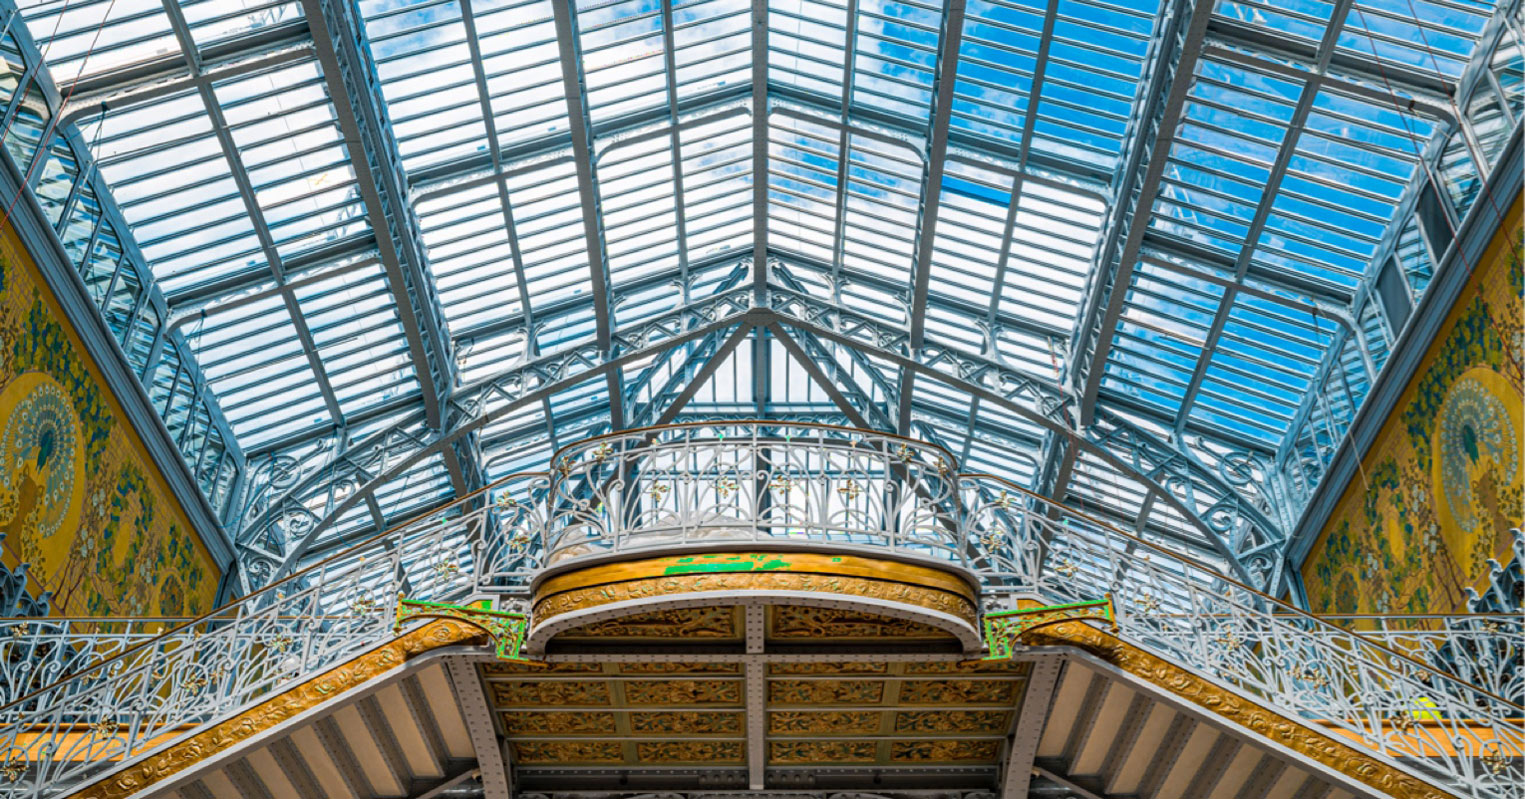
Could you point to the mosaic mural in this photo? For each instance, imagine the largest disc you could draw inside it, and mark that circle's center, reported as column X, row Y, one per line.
column 79, row 500
column 1440, row 489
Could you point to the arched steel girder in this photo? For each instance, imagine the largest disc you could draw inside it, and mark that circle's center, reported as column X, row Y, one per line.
column 1231, row 526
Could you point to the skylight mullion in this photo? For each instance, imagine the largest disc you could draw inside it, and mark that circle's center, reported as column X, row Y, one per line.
column 892, row 61
column 1278, row 10
column 1096, row 69
column 1228, row 155
column 1342, row 208
column 179, row 233
column 1051, row 79
column 1233, row 135
column 1330, row 243
column 423, row 71
column 1391, row 153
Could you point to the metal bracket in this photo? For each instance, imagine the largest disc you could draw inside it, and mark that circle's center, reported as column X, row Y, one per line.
column 1003, row 628
column 506, row 630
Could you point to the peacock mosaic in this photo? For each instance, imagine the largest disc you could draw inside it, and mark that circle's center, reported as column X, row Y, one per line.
column 1441, row 488
column 79, row 500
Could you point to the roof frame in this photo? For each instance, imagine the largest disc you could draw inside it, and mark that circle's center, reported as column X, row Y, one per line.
column 347, row 71
column 931, row 190
column 1140, row 183
column 240, row 177
column 581, row 129
column 1313, row 83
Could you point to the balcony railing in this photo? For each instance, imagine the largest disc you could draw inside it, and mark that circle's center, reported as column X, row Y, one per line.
column 1437, row 697
column 756, row 483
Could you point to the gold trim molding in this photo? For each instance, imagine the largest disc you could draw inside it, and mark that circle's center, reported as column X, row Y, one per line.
column 857, row 587
column 280, row 708
column 1306, row 741
column 762, row 562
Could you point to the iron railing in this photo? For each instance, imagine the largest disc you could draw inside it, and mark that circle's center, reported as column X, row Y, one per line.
column 1439, row 696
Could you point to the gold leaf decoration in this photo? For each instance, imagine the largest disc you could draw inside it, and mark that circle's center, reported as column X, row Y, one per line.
column 685, row 723
column 839, row 722
column 499, row 668
column 948, row 721
column 825, row 692
column 690, row 751
column 1319, row 746
column 967, row 667
column 679, row 668
column 805, row 622
column 821, row 751
column 958, row 692
column 703, row 622
column 828, row 667
column 552, row 693
column 944, row 751
column 683, row 692
column 938, row 599
column 280, row 708
column 520, row 723
column 568, row 752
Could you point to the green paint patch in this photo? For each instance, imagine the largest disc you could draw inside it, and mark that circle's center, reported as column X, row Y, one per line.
column 728, row 562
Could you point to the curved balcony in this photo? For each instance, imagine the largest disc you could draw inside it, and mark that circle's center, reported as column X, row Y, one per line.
column 729, row 484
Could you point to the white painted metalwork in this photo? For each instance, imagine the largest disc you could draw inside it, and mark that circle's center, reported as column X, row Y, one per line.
column 752, row 481
column 80, row 698
column 1394, row 692
column 1439, row 696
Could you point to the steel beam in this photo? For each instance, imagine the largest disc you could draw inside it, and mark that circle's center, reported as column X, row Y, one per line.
column 587, row 187
column 167, row 69
column 1017, row 772
column 292, row 46
column 470, row 424
column 759, row 150
column 497, row 782
column 240, row 177
column 1112, row 289
column 1421, row 81
column 675, row 145
column 705, row 372
column 931, row 191
column 373, row 156
column 812, row 369
column 756, row 671
column 1312, row 85
column 495, row 150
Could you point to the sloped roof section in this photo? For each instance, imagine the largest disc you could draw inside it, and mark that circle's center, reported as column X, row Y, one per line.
column 415, row 245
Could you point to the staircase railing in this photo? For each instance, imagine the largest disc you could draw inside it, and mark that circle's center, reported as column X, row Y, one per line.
column 1460, row 734
column 79, row 700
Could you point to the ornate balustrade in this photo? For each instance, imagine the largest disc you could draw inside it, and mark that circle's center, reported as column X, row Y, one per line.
column 752, row 482
column 1441, row 696
column 79, row 698
column 1392, row 692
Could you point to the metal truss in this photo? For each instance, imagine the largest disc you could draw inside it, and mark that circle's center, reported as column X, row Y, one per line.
column 308, row 480
column 1462, row 671
column 296, row 512
column 339, row 40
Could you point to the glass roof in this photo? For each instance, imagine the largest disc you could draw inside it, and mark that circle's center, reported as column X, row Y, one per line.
column 973, row 223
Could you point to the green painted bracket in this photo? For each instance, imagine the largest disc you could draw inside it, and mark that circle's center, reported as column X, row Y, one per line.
column 506, row 630
column 1003, row 628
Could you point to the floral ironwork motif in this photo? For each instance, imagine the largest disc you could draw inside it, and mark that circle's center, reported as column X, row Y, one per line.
column 1455, row 672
